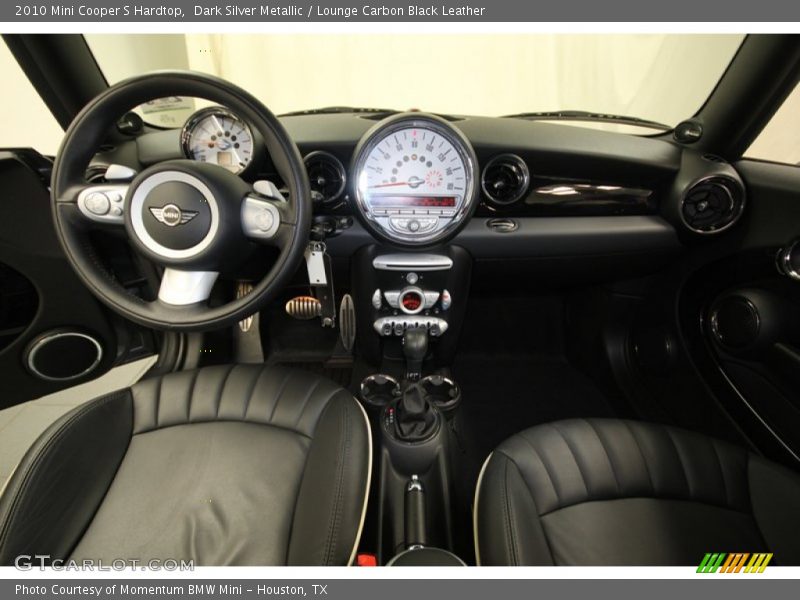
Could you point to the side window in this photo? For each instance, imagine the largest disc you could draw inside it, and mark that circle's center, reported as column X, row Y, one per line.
column 24, row 117
column 779, row 141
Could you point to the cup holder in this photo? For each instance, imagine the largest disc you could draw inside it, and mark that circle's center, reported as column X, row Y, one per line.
column 441, row 391
column 378, row 390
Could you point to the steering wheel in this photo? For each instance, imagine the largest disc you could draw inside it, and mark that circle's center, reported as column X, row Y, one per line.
column 195, row 220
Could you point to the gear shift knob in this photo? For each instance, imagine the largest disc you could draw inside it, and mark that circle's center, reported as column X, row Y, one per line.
column 415, row 347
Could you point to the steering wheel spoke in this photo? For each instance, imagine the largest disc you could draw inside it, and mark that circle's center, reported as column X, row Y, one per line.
column 102, row 203
column 265, row 215
column 181, row 288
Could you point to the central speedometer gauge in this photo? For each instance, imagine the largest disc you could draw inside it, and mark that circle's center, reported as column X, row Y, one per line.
column 217, row 136
column 414, row 179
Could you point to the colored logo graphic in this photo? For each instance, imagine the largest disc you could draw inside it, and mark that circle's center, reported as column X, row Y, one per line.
column 740, row 562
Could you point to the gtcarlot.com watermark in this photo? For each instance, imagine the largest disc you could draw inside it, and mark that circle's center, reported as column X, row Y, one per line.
column 29, row 562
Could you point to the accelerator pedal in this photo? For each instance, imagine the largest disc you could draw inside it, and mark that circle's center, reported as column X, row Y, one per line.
column 347, row 322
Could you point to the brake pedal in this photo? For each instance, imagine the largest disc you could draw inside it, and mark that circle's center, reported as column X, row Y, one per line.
column 304, row 308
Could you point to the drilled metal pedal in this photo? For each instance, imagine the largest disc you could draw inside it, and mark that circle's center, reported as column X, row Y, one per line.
column 347, row 322
column 304, row 308
column 242, row 289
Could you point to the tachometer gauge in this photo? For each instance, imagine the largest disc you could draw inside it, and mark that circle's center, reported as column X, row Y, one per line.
column 217, row 136
column 414, row 179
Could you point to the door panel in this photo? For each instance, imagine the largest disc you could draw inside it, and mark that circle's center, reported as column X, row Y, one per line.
column 53, row 333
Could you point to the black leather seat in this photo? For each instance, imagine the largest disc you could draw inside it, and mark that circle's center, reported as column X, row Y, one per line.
column 612, row 492
column 233, row 465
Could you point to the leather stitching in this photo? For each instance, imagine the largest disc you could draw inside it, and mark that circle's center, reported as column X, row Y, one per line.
column 507, row 519
column 574, row 454
column 608, row 456
column 191, row 396
column 546, row 469
column 158, row 402
column 641, row 453
column 335, row 521
column 256, row 381
column 307, row 399
column 728, row 499
column 279, row 395
column 221, row 391
column 668, row 431
column 42, row 454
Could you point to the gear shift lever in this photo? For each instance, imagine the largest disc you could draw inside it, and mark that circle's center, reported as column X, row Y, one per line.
column 415, row 347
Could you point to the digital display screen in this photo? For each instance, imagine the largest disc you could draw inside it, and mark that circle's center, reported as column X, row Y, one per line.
column 413, row 201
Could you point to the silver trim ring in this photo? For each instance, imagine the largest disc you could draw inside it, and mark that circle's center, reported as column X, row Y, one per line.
column 363, row 518
column 475, row 510
column 213, row 111
column 322, row 155
column 49, row 338
column 526, row 177
column 784, row 261
column 137, row 213
column 412, row 290
column 737, row 208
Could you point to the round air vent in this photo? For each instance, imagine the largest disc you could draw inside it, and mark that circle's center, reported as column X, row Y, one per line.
column 63, row 355
column 326, row 175
column 505, row 179
column 712, row 205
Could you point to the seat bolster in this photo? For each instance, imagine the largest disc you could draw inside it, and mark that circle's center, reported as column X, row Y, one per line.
column 582, row 460
column 775, row 496
column 508, row 530
column 271, row 395
column 58, row 486
column 331, row 502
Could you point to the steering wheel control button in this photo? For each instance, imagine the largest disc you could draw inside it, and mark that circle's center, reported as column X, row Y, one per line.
column 98, row 203
column 116, row 211
column 264, row 220
column 447, row 300
column 260, row 218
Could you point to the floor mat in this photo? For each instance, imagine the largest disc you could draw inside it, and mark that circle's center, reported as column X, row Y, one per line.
column 504, row 395
column 342, row 375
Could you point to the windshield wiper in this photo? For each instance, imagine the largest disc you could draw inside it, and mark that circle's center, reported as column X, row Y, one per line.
column 330, row 110
column 585, row 115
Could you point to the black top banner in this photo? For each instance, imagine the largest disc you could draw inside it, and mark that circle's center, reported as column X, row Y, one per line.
column 439, row 11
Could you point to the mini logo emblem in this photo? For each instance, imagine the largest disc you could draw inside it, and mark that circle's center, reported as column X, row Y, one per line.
column 172, row 216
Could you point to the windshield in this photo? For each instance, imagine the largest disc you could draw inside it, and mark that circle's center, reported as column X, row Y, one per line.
column 659, row 78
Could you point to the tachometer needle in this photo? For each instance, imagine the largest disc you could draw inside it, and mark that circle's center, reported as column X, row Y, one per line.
column 413, row 182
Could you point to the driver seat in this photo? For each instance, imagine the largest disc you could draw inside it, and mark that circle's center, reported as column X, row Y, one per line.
column 228, row 465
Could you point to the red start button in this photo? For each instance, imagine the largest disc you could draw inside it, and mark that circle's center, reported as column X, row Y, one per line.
column 411, row 301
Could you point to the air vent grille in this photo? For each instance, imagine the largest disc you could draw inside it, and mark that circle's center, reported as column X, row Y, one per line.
column 505, row 179
column 712, row 205
column 326, row 176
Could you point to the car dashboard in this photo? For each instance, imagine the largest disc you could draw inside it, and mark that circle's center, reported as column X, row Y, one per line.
column 541, row 189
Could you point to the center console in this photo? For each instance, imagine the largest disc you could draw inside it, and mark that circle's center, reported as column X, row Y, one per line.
column 410, row 308
column 396, row 292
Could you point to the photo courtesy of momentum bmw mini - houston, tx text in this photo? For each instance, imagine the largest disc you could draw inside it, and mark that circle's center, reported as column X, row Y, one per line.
column 442, row 286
